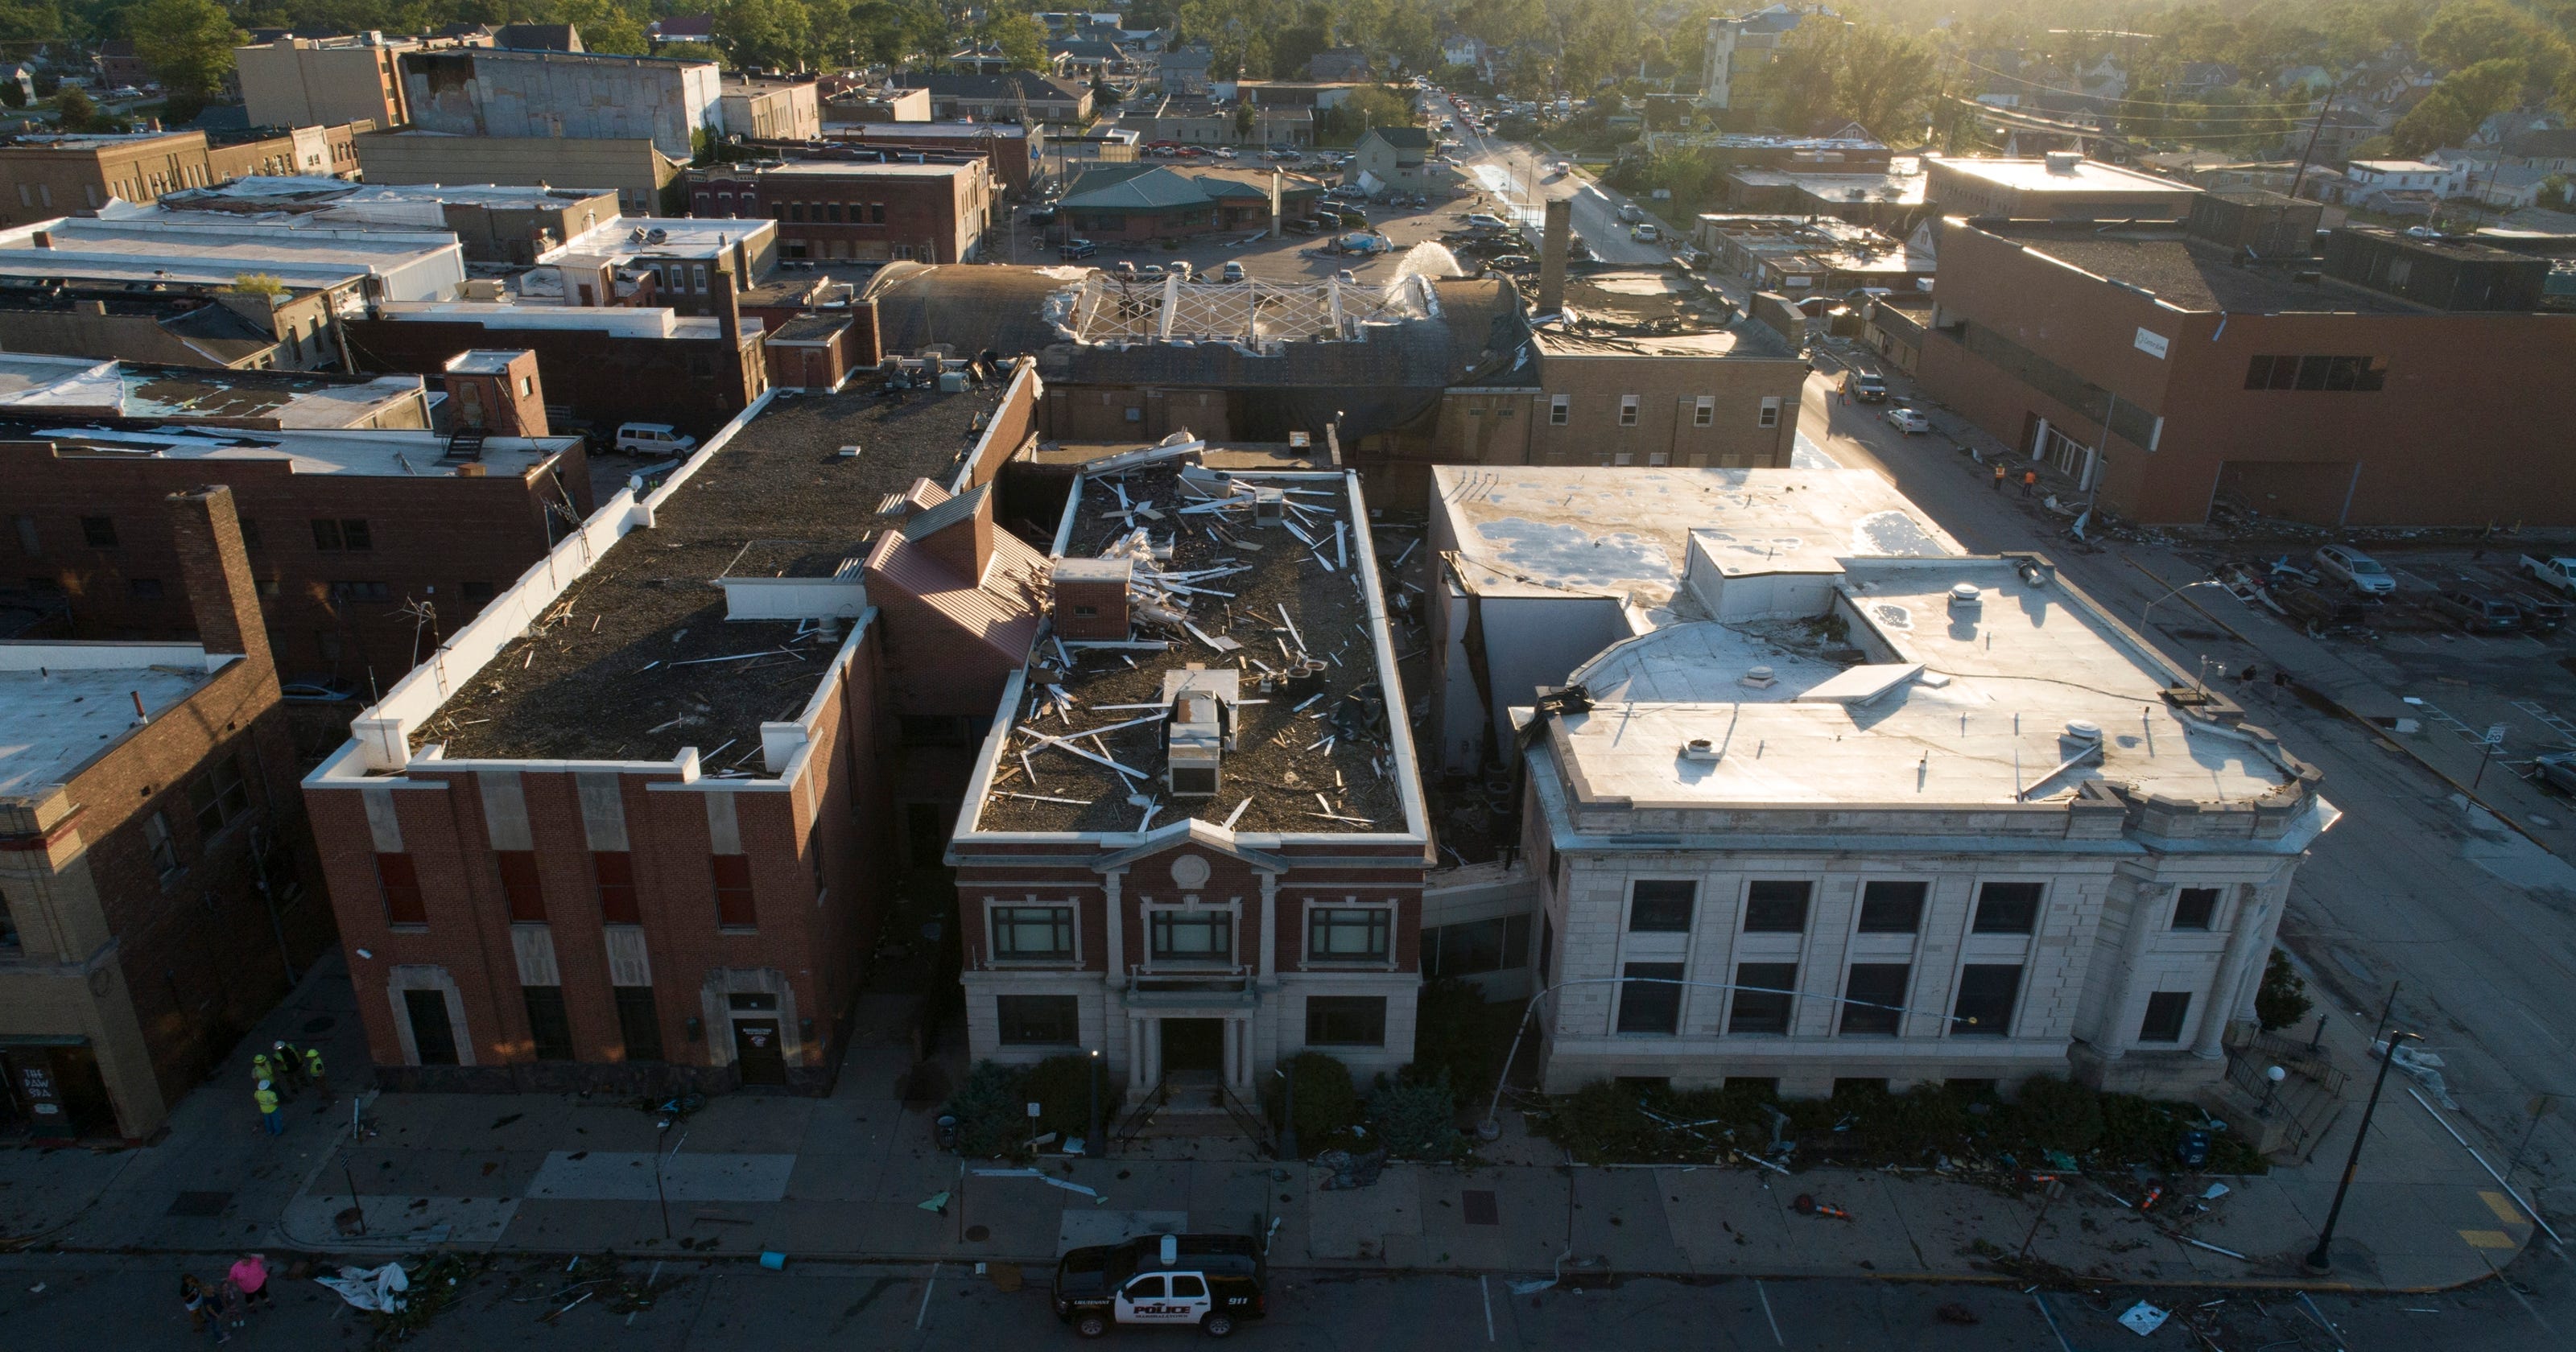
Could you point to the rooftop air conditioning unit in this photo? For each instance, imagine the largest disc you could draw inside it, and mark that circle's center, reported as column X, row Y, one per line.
column 1200, row 728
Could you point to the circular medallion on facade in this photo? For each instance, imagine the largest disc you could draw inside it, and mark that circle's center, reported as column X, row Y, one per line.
column 1190, row 871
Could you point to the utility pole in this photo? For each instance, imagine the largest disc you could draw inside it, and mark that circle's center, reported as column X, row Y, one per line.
column 2321, row 1259
column 2300, row 176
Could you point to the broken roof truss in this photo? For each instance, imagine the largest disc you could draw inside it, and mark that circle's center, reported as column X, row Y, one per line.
column 1255, row 315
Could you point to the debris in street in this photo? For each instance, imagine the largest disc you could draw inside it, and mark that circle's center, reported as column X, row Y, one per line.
column 377, row 1290
column 2143, row 1319
column 1955, row 1313
column 1807, row 1205
column 1352, row 1171
column 937, row 1203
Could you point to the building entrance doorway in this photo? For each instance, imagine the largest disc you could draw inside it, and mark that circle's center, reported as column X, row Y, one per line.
column 757, row 1056
column 1193, row 1046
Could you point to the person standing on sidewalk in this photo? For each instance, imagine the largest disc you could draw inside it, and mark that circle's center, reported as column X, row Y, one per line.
column 266, row 1098
column 290, row 1065
column 321, row 1082
column 1999, row 478
column 205, row 1312
column 262, row 1068
column 2029, row 481
column 249, row 1276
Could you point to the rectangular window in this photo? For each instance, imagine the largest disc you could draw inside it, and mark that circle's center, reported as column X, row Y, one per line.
column 2312, row 372
column 218, row 796
column 1656, row 906
column 1892, row 907
column 1776, row 907
column 1763, row 992
column 163, row 849
column 876, row 213
column 1039, row 1020
column 1560, row 409
column 1770, row 412
column 99, row 531
column 519, row 887
column 734, row 908
column 2195, row 908
column 345, row 593
column 1986, row 995
column 698, row 276
column 1874, row 999
column 549, row 1028
column 401, row 884
column 1471, row 947
column 143, row 588
column 342, row 533
column 639, row 1023
column 1349, row 933
column 1033, row 933
column 615, row 870
column 2165, row 1012
column 1346, row 1020
column 1704, row 411
column 1192, row 936
column 2008, row 908
column 1627, row 410
column 2258, row 373
column 1648, row 1001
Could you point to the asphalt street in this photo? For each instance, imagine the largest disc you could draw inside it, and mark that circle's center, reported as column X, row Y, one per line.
column 1519, row 174
column 131, row 1304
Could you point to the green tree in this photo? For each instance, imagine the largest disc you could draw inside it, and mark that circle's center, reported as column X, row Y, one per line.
column 187, row 43
column 1888, row 80
column 2436, row 122
column 25, row 23
column 763, row 32
column 606, row 25
column 73, row 111
column 1023, row 41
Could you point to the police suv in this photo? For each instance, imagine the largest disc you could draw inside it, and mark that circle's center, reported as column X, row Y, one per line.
column 1212, row 1282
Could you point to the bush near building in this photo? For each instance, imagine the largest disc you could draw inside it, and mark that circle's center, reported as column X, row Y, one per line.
column 992, row 1107
column 1328, row 1103
column 2047, row 1123
column 2282, row 999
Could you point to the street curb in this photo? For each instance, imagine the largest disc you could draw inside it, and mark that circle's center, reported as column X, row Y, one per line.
column 2071, row 1281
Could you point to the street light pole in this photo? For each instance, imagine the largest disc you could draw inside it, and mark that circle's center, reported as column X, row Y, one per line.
column 2150, row 607
column 2321, row 1260
column 1097, row 1145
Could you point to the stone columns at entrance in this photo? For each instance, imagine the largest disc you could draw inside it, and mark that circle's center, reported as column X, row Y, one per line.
column 2248, row 946
column 1114, row 930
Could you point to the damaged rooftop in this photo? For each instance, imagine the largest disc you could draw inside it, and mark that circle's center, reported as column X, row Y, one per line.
column 1255, row 586
column 638, row 661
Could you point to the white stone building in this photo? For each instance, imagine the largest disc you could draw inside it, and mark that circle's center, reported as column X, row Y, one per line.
column 1938, row 820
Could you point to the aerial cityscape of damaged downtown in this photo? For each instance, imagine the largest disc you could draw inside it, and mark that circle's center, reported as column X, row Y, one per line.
column 1361, row 675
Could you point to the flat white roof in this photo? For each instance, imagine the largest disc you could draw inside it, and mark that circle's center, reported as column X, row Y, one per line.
column 681, row 236
column 848, row 168
column 255, row 248
column 2398, row 167
column 1984, row 722
column 400, row 453
column 33, row 386
column 54, row 721
column 1531, row 530
column 620, row 320
column 2037, row 176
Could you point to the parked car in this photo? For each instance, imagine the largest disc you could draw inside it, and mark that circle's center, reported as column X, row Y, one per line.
column 1207, row 1282
column 316, row 690
column 2540, row 614
column 1042, row 216
column 1304, row 226
column 2555, row 770
column 1869, row 387
column 2314, row 610
column 1180, row 267
column 1645, row 234
column 1490, row 222
column 649, row 438
column 1152, row 272
column 1908, row 421
column 2355, row 569
column 1232, row 272
column 2558, row 571
column 1076, row 248
column 1630, row 213
column 1126, row 268
column 2478, row 613
column 1511, row 263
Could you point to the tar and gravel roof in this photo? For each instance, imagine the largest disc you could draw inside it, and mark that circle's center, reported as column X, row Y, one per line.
column 609, row 676
column 2188, row 274
column 54, row 721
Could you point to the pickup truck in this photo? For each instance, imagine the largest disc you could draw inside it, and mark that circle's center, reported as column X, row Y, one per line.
column 2557, row 571
column 1210, row 1282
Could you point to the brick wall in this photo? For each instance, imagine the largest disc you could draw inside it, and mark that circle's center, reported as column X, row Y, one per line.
column 858, row 214
column 432, row 538
column 693, row 384
column 1667, row 391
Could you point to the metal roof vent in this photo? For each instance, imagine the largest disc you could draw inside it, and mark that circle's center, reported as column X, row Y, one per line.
column 2084, row 730
column 1965, row 596
column 1699, row 749
column 1759, row 678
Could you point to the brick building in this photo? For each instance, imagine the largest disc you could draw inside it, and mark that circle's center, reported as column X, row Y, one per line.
column 771, row 108
column 601, row 365
column 1231, row 872
column 2173, row 372
column 2062, row 186
column 152, row 895
column 1011, row 148
column 836, row 209
column 43, row 176
column 599, row 843
column 349, row 533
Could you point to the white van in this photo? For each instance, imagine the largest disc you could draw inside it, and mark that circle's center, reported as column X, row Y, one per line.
column 643, row 438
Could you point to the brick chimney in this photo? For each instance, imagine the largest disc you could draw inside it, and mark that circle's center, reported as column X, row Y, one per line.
column 498, row 391
column 216, row 571
column 1551, row 256
column 1091, row 598
column 958, row 533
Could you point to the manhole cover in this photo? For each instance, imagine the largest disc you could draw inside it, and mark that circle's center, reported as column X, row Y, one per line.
column 200, row 1203
column 1480, row 1208
column 977, row 1234
column 322, row 1023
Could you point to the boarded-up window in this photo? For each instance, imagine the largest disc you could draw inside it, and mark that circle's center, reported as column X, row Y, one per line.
column 401, row 884
column 733, row 892
column 616, row 870
column 519, row 886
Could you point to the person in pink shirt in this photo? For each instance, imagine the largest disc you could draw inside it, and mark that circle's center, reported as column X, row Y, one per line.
column 250, row 1277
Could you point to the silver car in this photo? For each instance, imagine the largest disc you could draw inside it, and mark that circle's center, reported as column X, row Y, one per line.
column 2356, row 570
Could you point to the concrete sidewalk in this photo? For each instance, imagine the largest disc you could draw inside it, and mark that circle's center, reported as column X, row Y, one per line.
column 847, row 1177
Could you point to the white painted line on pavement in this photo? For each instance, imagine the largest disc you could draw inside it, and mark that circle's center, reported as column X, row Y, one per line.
column 1766, row 1312
column 1485, row 1290
column 925, row 1296
column 2049, row 1315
